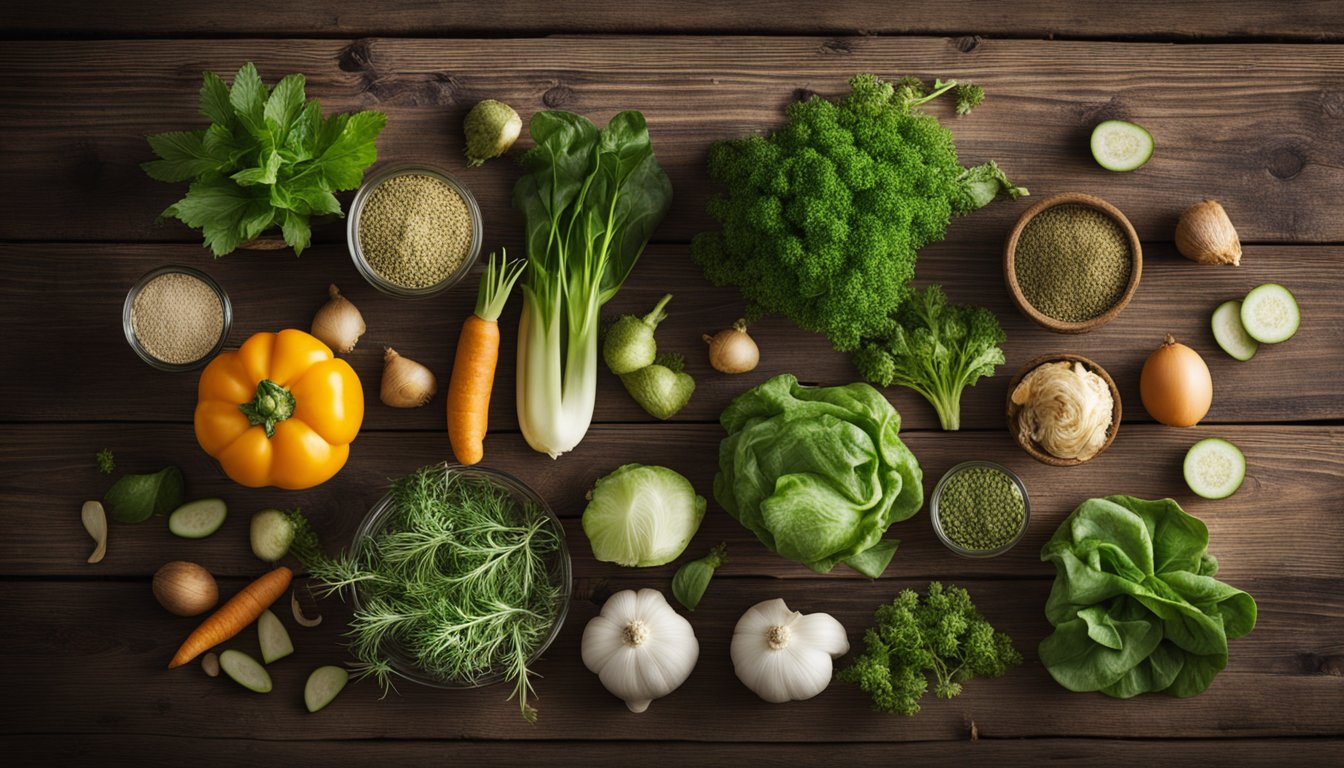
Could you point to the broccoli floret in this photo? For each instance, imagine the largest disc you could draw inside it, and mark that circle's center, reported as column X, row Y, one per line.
column 969, row 97
column 935, row 348
column 821, row 221
column 943, row 634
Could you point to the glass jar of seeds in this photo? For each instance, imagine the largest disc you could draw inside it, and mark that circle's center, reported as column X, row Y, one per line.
column 413, row 231
column 980, row 509
column 176, row 318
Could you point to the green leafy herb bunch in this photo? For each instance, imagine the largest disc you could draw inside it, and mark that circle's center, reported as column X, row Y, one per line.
column 269, row 159
column 942, row 633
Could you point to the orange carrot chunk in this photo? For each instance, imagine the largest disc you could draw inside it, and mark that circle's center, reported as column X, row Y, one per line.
column 234, row 616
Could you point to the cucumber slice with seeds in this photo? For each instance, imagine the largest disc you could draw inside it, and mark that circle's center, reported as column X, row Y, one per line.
column 198, row 519
column 1121, row 146
column 1214, row 468
column 1269, row 314
column 273, row 638
column 245, row 671
column 1231, row 334
column 323, row 685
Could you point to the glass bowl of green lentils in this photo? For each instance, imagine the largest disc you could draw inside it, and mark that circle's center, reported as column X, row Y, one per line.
column 980, row 509
column 413, row 230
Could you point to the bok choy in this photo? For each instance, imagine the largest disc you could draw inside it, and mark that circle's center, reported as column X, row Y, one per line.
column 590, row 199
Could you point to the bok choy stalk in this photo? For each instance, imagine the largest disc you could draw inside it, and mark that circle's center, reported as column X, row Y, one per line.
column 590, row 199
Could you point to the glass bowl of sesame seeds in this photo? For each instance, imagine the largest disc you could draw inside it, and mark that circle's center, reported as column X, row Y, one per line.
column 176, row 318
column 413, row 230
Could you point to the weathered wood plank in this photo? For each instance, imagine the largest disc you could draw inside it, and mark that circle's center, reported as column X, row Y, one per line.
column 102, row 650
column 1296, row 19
column 1256, row 126
column 62, row 307
column 173, row 751
column 1284, row 522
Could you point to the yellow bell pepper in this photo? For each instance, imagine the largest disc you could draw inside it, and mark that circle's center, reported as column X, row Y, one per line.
column 281, row 410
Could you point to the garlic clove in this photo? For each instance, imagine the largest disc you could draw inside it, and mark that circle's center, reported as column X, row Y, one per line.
column 94, row 518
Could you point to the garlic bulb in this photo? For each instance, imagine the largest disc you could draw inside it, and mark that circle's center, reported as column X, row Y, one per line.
column 639, row 647
column 782, row 655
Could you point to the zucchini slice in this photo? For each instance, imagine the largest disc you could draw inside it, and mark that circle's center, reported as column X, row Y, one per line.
column 1121, row 146
column 1214, row 468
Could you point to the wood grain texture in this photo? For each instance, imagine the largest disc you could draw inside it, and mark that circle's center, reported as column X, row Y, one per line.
column 1283, row 522
column 1286, row 19
column 174, row 751
column 61, row 305
column 1255, row 126
column 113, row 642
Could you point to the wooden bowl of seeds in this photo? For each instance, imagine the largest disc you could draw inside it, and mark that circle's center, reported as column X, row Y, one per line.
column 1014, row 410
column 1072, row 262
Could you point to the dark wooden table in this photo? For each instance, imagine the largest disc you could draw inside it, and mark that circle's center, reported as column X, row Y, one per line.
column 1246, row 100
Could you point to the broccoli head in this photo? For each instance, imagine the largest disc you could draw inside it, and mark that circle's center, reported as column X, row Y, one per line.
column 821, row 221
column 935, row 348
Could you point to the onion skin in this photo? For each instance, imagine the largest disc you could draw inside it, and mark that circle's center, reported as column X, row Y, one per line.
column 185, row 589
column 1205, row 235
column 1175, row 385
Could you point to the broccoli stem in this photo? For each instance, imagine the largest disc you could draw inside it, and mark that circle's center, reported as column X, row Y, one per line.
column 948, row 406
column 939, row 88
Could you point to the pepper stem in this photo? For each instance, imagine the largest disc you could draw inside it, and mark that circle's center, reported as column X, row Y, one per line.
column 271, row 405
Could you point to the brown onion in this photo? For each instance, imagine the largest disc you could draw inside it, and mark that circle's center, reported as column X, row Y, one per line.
column 185, row 589
column 1175, row 385
column 1205, row 235
column 338, row 324
column 732, row 350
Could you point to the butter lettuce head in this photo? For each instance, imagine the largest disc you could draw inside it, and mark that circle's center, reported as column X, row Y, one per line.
column 1135, row 604
column 818, row 473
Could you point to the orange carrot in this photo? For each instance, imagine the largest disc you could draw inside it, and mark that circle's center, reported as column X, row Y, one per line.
column 474, row 363
column 234, row 616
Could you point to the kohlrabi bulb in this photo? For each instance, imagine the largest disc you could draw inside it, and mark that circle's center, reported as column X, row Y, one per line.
column 491, row 127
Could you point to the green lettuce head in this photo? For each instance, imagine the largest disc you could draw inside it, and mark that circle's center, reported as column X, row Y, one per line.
column 818, row 473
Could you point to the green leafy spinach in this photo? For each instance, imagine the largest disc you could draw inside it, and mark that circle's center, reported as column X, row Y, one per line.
column 1135, row 604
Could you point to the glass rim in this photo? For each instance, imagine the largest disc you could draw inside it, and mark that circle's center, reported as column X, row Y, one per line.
column 362, row 265
column 128, row 323
column 936, row 517
column 405, row 668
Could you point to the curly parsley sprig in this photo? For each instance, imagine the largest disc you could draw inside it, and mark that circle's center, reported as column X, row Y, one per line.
column 941, row 633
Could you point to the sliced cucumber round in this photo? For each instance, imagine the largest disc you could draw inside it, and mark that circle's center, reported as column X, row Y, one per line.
column 1214, row 468
column 1231, row 334
column 273, row 637
column 245, row 671
column 1121, row 146
column 198, row 519
column 1269, row 314
column 323, row 685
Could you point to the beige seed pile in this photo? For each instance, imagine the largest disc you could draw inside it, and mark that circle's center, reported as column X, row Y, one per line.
column 1073, row 262
column 177, row 318
column 415, row 230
